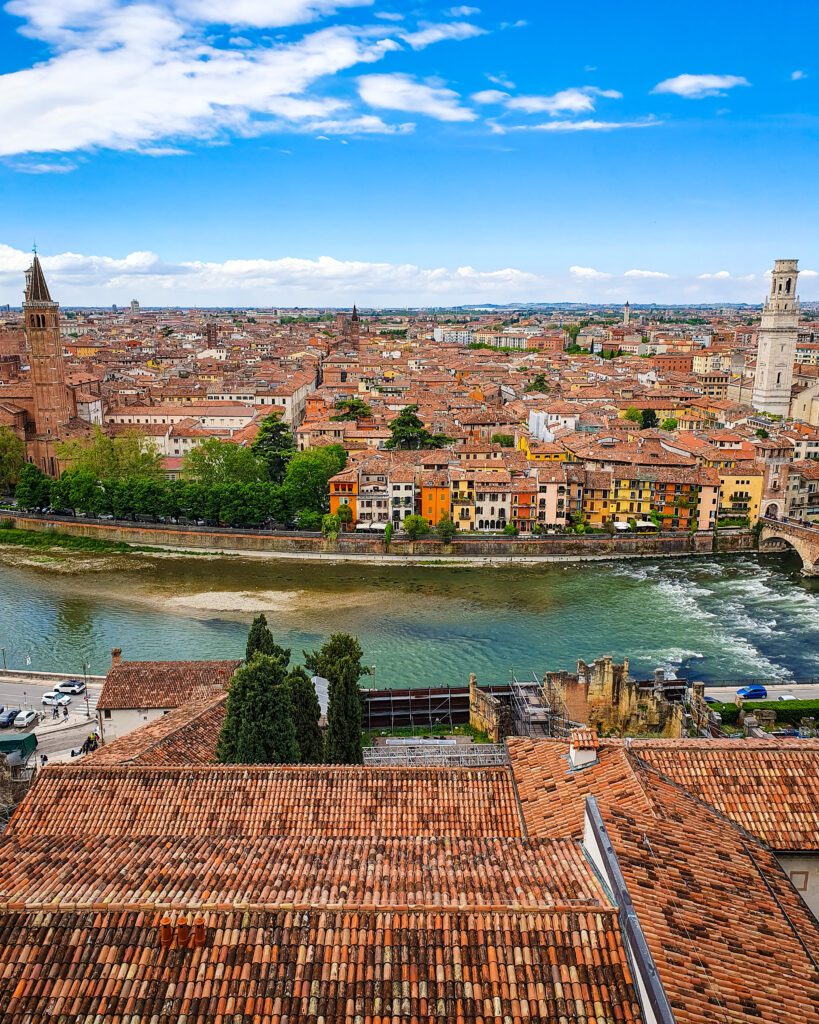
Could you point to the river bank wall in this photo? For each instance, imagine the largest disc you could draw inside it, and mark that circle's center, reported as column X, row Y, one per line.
column 353, row 546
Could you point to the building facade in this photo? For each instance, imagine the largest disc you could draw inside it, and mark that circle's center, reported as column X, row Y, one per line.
column 778, row 334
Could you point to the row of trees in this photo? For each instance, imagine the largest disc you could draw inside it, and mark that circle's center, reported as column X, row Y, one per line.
column 220, row 482
column 272, row 714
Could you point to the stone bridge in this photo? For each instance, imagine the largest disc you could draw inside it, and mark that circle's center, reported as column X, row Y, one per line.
column 782, row 534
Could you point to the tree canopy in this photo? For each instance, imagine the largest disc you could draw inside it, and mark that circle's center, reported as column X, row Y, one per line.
column 339, row 662
column 308, row 472
column 220, row 462
column 112, row 458
column 407, row 431
column 415, row 526
column 259, row 726
column 306, row 715
column 351, row 409
column 12, row 458
column 260, row 641
column 33, row 488
column 275, row 446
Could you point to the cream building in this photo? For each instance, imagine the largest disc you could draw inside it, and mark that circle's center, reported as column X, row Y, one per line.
column 778, row 333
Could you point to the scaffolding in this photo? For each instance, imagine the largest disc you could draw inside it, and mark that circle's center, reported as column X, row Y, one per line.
column 462, row 755
column 538, row 709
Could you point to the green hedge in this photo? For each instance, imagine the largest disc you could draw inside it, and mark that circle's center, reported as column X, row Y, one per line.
column 790, row 711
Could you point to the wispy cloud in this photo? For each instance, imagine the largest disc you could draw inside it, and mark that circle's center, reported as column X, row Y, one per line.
column 402, row 92
column 797, row 76
column 429, row 34
column 587, row 125
column 646, row 273
column 697, row 87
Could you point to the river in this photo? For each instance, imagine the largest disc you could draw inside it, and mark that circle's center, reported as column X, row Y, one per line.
column 732, row 617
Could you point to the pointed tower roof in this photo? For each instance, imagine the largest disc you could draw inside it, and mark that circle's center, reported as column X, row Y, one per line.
column 355, row 313
column 37, row 290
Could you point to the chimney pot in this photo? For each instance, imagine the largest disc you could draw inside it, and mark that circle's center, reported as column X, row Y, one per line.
column 583, row 744
column 183, row 932
column 116, row 656
column 199, row 930
column 165, row 932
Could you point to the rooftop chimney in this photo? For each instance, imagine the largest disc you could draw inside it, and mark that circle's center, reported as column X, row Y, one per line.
column 583, row 744
column 116, row 656
column 183, row 932
column 165, row 932
column 199, row 930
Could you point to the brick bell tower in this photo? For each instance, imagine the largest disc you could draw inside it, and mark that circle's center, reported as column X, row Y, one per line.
column 52, row 398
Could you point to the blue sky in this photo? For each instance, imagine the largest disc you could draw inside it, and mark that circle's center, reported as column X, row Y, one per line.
column 283, row 152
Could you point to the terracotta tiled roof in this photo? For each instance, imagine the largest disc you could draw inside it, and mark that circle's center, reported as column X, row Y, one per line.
column 731, row 938
column 284, row 966
column 769, row 787
column 553, row 797
column 296, row 870
column 163, row 684
column 316, row 801
column 185, row 736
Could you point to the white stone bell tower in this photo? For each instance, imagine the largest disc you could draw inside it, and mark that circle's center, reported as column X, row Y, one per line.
column 777, row 341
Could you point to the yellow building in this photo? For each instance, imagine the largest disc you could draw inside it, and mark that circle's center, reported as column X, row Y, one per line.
column 462, row 500
column 542, row 451
column 740, row 491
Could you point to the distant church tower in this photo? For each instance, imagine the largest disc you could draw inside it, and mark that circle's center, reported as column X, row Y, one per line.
column 777, row 341
column 52, row 399
column 626, row 314
column 355, row 329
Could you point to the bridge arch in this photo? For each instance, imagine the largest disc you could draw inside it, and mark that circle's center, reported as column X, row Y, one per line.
column 804, row 540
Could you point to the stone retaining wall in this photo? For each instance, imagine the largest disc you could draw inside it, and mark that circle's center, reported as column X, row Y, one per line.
column 238, row 541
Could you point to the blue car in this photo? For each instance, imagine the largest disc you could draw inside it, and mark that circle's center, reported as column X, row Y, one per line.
column 752, row 693
column 7, row 716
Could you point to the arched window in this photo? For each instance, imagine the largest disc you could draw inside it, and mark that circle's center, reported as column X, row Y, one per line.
column 788, row 287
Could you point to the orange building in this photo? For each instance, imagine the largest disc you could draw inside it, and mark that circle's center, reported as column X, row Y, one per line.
column 344, row 491
column 435, row 496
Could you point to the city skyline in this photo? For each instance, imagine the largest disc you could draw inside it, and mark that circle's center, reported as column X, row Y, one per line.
column 320, row 152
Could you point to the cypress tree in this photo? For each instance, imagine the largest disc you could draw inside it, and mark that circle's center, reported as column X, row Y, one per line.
column 259, row 727
column 260, row 641
column 339, row 661
column 306, row 714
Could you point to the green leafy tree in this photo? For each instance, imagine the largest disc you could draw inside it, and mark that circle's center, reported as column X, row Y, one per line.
column 33, row 488
column 339, row 662
column 112, row 458
column 12, row 458
column 275, row 446
column 511, row 530
column 387, row 535
column 634, row 415
column 306, row 715
column 306, row 480
column 259, row 726
column 351, row 409
column 344, row 515
column 446, row 529
column 415, row 527
column 330, row 525
column 648, row 419
column 669, row 423
column 260, row 641
column 762, row 433
column 219, row 462
column 307, row 520
column 407, row 432
column 79, row 489
column 504, row 440
column 538, row 384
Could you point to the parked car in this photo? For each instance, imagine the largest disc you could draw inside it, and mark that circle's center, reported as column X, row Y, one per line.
column 55, row 699
column 25, row 718
column 7, row 716
column 786, row 696
column 105, row 515
column 70, row 686
column 752, row 693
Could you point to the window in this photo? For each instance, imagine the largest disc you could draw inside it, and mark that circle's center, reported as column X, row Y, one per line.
column 106, row 713
column 800, row 880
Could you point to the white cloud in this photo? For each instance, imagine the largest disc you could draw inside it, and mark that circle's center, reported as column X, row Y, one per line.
column 463, row 12
column 92, row 280
column 587, row 125
column 587, row 272
column 429, row 34
column 402, row 92
column 809, row 273
column 489, row 96
column 42, row 167
column 797, row 76
column 127, row 74
column 567, row 101
column 645, row 273
column 697, row 87
column 502, row 80
column 719, row 275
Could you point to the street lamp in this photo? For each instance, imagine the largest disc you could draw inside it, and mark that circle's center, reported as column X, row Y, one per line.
column 3, row 649
column 85, row 678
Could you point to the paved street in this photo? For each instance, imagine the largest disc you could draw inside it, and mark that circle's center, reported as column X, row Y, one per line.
column 55, row 739
column 728, row 693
